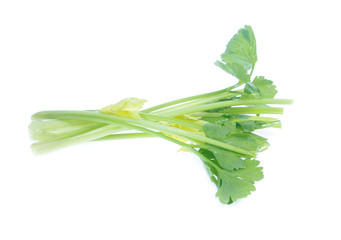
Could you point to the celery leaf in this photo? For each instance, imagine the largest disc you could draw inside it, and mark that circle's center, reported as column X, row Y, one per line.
column 239, row 183
column 241, row 49
column 260, row 88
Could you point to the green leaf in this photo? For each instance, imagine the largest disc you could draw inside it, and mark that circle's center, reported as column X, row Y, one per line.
column 228, row 160
column 240, row 55
column 227, row 124
column 211, row 171
column 227, row 132
column 252, row 90
column 241, row 49
column 206, row 153
column 247, row 141
column 234, row 69
column 233, row 185
column 249, row 126
column 215, row 131
column 219, row 131
column 265, row 87
column 260, row 88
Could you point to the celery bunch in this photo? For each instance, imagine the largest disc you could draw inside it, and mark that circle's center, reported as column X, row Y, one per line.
column 218, row 127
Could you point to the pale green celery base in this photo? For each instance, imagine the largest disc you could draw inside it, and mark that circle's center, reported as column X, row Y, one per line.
column 41, row 135
column 48, row 146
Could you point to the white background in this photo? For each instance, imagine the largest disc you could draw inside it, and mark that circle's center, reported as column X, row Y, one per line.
column 88, row 54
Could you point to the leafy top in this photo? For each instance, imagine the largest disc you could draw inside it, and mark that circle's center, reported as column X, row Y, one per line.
column 241, row 49
column 240, row 55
